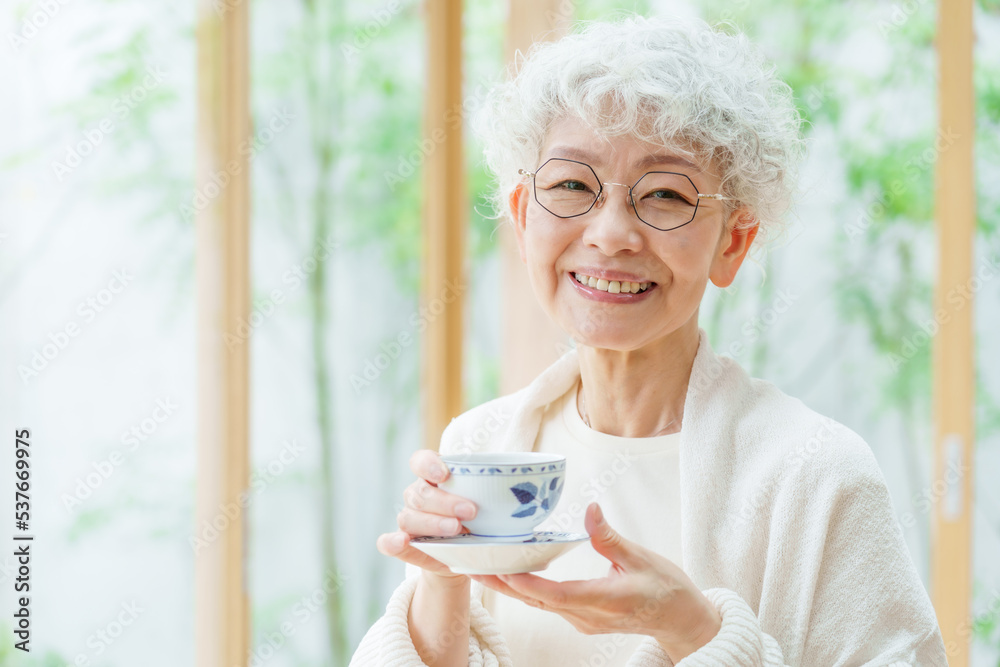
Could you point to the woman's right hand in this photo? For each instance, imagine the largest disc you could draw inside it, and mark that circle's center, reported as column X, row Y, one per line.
column 428, row 511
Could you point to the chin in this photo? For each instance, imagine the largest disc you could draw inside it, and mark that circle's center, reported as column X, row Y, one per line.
column 622, row 341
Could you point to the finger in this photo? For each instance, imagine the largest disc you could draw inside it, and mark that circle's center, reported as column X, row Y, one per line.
column 424, row 497
column 420, row 523
column 583, row 622
column 495, row 583
column 557, row 594
column 607, row 541
column 397, row 545
column 427, row 464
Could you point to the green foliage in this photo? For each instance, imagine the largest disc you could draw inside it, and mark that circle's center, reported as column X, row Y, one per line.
column 893, row 184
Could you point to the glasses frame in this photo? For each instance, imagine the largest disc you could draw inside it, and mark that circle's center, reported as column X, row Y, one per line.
column 600, row 197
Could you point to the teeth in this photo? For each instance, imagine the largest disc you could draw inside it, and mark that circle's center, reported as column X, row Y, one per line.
column 612, row 286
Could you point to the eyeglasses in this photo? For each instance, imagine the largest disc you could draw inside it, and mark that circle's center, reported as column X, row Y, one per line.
column 568, row 188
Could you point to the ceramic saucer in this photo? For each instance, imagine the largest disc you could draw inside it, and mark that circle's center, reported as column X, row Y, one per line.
column 471, row 554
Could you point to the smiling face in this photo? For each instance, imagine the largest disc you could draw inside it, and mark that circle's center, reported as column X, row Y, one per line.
column 609, row 243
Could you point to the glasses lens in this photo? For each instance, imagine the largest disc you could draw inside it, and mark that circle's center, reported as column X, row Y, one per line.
column 665, row 201
column 566, row 188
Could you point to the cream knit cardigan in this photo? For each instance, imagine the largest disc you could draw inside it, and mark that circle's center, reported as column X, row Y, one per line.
column 787, row 527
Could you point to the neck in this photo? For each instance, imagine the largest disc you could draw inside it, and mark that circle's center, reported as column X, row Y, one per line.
column 636, row 393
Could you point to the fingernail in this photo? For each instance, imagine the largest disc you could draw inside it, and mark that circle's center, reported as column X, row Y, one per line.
column 449, row 525
column 598, row 514
column 397, row 541
column 465, row 510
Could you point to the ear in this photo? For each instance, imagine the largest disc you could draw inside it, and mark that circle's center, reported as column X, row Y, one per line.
column 733, row 247
column 519, row 212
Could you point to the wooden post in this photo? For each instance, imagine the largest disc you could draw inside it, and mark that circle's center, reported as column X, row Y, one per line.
column 222, row 627
column 445, row 218
column 530, row 341
column 954, row 345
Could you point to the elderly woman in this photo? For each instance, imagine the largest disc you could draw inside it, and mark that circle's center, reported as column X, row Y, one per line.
column 729, row 524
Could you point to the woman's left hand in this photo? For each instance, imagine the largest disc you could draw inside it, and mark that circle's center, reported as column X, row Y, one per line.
column 644, row 593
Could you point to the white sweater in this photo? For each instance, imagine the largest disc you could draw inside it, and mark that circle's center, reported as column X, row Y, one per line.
column 636, row 481
column 786, row 525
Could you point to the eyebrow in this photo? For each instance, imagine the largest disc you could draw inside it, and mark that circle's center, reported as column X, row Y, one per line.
column 648, row 161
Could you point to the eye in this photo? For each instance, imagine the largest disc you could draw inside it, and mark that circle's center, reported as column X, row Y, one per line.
column 574, row 186
column 667, row 194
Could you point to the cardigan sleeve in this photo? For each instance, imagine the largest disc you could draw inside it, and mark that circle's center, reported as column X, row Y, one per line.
column 739, row 641
column 868, row 605
column 388, row 641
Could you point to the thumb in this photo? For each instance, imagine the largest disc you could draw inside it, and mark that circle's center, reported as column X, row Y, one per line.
column 605, row 539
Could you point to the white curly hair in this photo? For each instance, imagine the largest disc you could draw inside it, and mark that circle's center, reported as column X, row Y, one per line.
column 678, row 83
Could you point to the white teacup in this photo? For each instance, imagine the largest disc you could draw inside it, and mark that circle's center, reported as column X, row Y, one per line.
column 513, row 491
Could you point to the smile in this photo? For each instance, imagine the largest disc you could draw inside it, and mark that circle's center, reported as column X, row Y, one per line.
column 611, row 286
column 601, row 290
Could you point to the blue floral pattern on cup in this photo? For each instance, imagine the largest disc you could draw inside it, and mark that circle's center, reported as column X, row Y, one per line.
column 532, row 498
column 538, row 537
column 508, row 469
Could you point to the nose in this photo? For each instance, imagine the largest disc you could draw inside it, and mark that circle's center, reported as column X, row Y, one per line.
column 613, row 228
